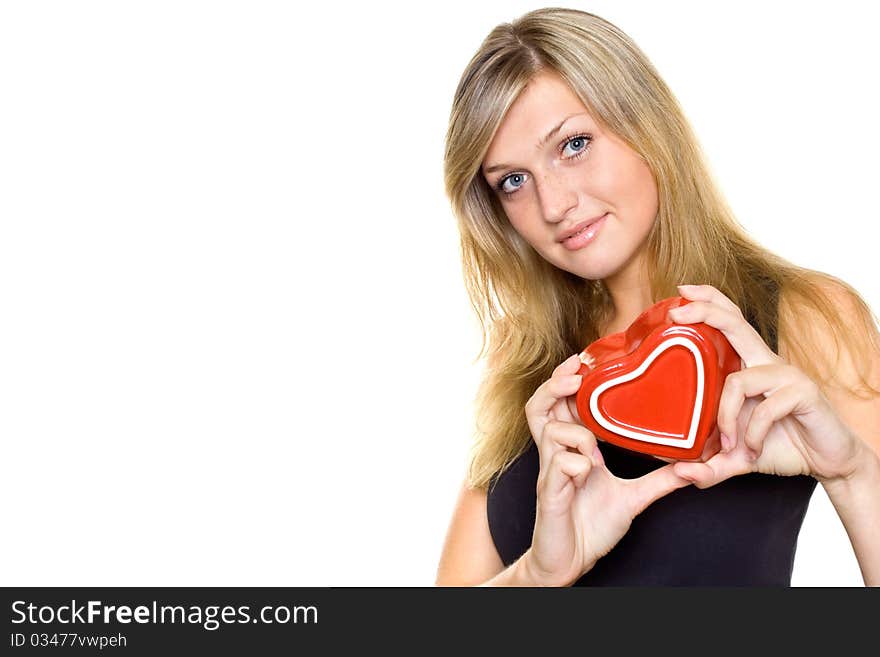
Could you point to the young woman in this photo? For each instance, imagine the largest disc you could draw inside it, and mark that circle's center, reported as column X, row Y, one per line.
column 560, row 125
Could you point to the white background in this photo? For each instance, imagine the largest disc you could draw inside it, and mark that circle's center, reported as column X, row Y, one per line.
column 235, row 346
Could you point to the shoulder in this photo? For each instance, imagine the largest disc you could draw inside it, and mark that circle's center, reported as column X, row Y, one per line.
column 823, row 321
column 834, row 340
column 469, row 556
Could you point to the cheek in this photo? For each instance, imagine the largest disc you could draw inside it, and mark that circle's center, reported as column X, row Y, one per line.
column 650, row 198
column 516, row 223
column 645, row 189
column 523, row 223
column 635, row 192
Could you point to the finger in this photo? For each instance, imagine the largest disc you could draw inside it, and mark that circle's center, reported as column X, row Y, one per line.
column 750, row 382
column 783, row 402
column 729, row 407
column 597, row 457
column 569, row 366
column 654, row 485
column 707, row 293
column 566, row 434
column 742, row 336
column 563, row 468
column 560, row 385
column 558, row 436
column 539, row 405
column 717, row 469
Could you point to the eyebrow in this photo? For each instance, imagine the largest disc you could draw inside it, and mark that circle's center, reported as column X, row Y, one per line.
column 547, row 137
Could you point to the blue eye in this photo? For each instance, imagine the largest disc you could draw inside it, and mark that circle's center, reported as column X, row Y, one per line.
column 577, row 140
column 514, row 177
column 580, row 142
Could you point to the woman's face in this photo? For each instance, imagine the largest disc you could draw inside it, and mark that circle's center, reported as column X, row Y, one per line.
column 580, row 173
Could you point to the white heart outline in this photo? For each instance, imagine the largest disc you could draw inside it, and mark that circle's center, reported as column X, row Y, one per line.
column 698, row 401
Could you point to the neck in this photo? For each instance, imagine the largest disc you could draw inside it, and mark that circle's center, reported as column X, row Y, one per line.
column 630, row 291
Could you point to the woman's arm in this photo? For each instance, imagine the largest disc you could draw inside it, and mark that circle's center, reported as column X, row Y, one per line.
column 469, row 557
column 856, row 498
column 778, row 420
column 519, row 573
column 857, row 501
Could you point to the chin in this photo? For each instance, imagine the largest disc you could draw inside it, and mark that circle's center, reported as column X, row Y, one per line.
column 591, row 269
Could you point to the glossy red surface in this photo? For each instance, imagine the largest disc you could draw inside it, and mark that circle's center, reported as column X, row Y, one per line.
column 655, row 387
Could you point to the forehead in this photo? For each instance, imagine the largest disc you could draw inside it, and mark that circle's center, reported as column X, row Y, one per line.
column 545, row 102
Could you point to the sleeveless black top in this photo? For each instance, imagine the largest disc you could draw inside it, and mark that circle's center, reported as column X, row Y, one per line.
column 741, row 532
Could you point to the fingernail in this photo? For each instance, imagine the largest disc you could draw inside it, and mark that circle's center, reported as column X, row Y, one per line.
column 587, row 359
column 686, row 287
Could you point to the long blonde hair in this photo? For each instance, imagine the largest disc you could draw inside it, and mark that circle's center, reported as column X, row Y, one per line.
column 534, row 315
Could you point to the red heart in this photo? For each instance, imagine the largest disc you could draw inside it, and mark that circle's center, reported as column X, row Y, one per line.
column 655, row 387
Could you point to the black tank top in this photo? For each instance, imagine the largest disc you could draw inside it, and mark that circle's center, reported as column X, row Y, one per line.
column 741, row 532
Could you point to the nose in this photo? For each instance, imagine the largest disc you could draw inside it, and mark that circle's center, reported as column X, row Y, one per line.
column 556, row 196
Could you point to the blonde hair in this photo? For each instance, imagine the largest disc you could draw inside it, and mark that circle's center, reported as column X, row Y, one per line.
column 534, row 315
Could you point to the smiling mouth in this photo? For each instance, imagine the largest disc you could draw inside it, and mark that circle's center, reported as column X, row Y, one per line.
column 587, row 227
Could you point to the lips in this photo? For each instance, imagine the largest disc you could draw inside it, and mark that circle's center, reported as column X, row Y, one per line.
column 578, row 228
column 655, row 387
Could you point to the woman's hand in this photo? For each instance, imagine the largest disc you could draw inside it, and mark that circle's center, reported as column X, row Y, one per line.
column 582, row 509
column 772, row 417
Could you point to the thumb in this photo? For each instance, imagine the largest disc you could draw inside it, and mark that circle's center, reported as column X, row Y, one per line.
column 649, row 488
column 720, row 467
